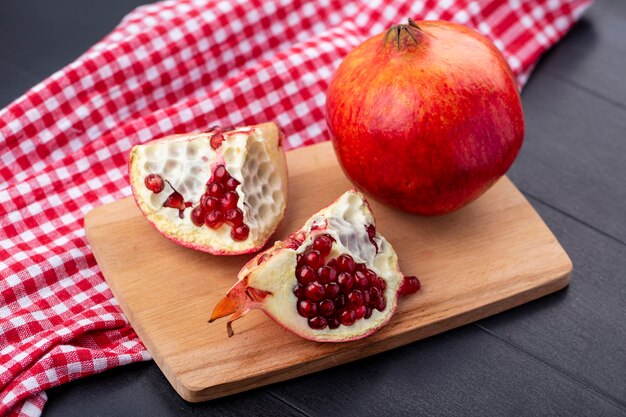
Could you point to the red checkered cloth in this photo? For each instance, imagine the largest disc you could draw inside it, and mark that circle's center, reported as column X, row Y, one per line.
column 174, row 66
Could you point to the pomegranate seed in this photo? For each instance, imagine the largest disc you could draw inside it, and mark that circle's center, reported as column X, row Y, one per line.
column 234, row 216
column 361, row 268
column 315, row 291
column 332, row 263
column 345, row 281
column 366, row 297
column 229, row 200
column 347, row 318
column 380, row 283
column 215, row 190
column 345, row 263
column 299, row 291
column 176, row 201
column 213, row 219
column 216, row 140
column 299, row 259
column 327, row 308
column 307, row 308
column 231, row 184
column 154, row 183
column 220, row 174
column 340, row 302
column 305, row 275
column 360, row 280
column 375, row 295
column 332, row 290
column 371, row 233
column 371, row 276
column 355, row 298
column 380, row 306
column 197, row 216
column 209, row 203
column 323, row 244
column 360, row 312
column 318, row 323
column 409, row 285
column 313, row 259
column 240, row 232
column 368, row 312
column 326, row 274
column 333, row 323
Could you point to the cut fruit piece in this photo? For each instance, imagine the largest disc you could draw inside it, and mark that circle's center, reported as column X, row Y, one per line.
column 334, row 280
column 223, row 191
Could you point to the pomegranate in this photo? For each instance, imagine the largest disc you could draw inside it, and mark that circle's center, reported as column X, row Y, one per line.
column 334, row 280
column 222, row 191
column 426, row 117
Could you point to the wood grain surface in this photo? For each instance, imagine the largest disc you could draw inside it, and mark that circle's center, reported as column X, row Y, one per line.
column 493, row 255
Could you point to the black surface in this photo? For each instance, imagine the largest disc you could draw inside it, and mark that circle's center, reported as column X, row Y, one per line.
column 564, row 354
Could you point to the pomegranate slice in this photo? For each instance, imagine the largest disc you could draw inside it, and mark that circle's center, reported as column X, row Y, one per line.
column 223, row 191
column 334, row 280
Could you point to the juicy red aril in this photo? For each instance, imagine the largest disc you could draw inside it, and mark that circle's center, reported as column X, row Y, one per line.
column 375, row 294
column 234, row 216
column 216, row 140
column 313, row 259
column 323, row 244
column 361, row 281
column 215, row 190
column 326, row 274
column 345, row 263
column 327, row 308
column 197, row 216
column 220, row 175
column 209, row 203
column 332, row 290
column 409, row 285
column 305, row 275
column 176, row 201
column 299, row 291
column 355, row 298
column 345, row 281
column 315, row 291
column 154, row 183
column 335, row 292
column 371, row 233
column 213, row 219
column 307, row 308
column 347, row 317
column 240, row 232
column 229, row 200
column 317, row 323
column 231, row 184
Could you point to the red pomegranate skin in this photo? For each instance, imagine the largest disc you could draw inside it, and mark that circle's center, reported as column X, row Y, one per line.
column 425, row 126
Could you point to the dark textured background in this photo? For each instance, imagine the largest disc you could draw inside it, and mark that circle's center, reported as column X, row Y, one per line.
column 562, row 355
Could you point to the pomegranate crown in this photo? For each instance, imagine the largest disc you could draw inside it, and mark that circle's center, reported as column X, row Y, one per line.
column 397, row 30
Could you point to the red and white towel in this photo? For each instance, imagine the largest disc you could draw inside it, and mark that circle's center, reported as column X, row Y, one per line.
column 173, row 66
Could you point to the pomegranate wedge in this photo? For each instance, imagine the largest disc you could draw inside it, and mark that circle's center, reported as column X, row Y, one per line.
column 223, row 191
column 335, row 280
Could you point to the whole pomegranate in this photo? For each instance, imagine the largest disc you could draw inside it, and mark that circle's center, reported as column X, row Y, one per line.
column 426, row 117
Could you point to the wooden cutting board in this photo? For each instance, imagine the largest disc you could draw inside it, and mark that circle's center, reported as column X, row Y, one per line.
column 490, row 256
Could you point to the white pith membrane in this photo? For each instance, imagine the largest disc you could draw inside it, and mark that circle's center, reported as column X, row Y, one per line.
column 252, row 155
column 346, row 221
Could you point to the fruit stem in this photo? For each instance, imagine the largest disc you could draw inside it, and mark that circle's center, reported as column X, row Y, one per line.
column 398, row 29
